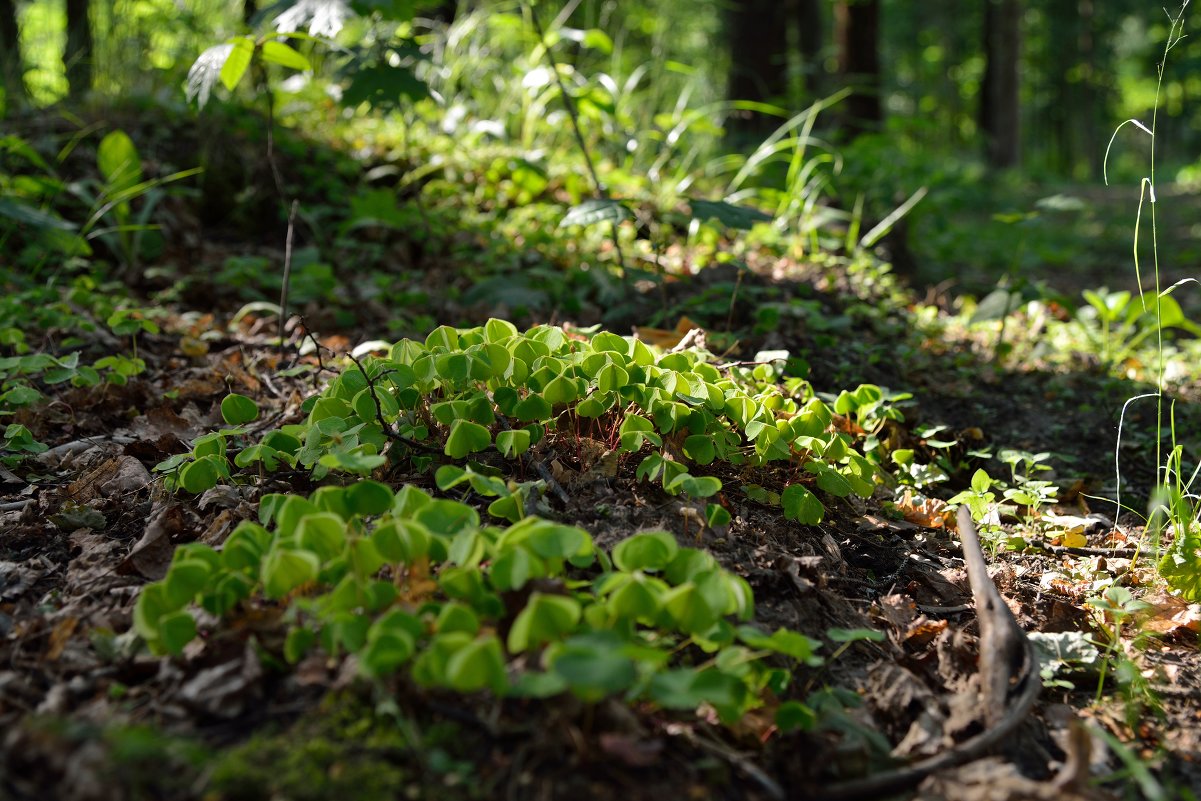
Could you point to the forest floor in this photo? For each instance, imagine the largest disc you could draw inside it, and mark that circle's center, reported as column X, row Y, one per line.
column 87, row 713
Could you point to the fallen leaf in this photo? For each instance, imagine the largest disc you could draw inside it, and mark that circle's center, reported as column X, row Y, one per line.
column 1170, row 615
column 1069, row 539
column 663, row 338
column 224, row 691
column 59, row 635
column 924, row 630
column 925, row 512
column 897, row 610
column 152, row 554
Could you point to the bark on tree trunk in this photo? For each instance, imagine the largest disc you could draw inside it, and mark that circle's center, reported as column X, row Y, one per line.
column 858, row 24
column 758, row 38
column 1000, row 118
column 78, row 54
column 12, row 69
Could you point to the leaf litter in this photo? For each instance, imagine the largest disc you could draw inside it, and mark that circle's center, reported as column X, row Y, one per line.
column 88, row 525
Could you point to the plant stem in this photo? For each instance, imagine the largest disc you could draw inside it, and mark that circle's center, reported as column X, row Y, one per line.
column 599, row 188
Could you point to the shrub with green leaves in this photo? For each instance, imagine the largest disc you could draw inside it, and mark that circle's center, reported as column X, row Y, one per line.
column 408, row 582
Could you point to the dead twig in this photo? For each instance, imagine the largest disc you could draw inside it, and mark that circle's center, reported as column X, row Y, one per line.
column 539, row 467
column 1010, row 683
column 389, row 432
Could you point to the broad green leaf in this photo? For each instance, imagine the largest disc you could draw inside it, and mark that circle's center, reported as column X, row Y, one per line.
column 793, row 716
column 509, row 507
column 238, row 409
column 477, row 665
column 689, row 609
column 368, row 498
column 323, row 533
column 612, row 377
column 717, row 516
column 545, row 618
column 593, row 667
column 742, row 218
column 402, row 541
column 175, row 630
column 638, row 598
column 533, row 407
column 560, row 390
column 695, row 486
column 455, row 616
column 276, row 52
column 443, row 336
column 445, row 518
column 466, row 437
column 591, row 212
column 637, row 430
column 185, row 580
column 699, row 448
column 200, row 475
column 513, row 443
column 387, row 649
column 650, row 550
column 284, row 570
column 245, row 546
column 499, row 330
column 802, row 505
column 687, row 688
column 236, row 63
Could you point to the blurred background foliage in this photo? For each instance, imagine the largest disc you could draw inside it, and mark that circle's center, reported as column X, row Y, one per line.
column 1002, row 109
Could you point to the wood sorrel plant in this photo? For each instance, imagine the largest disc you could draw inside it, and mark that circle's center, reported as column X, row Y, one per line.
column 407, row 582
column 461, row 392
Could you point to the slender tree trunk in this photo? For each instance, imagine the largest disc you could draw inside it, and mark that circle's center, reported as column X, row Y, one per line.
column 78, row 54
column 1000, row 118
column 858, row 24
column 812, row 38
column 12, row 69
column 758, row 38
column 249, row 9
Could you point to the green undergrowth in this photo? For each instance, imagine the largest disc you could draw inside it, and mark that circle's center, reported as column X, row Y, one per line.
column 408, row 582
column 465, row 391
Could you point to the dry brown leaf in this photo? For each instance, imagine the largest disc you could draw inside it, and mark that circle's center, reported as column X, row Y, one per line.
column 663, row 338
column 924, row 630
column 152, row 554
column 925, row 512
column 897, row 610
column 1172, row 616
column 59, row 636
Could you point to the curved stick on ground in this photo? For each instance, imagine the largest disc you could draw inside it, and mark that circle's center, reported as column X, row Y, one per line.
column 1010, row 683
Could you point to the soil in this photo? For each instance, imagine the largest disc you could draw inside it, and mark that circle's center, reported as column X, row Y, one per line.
column 88, row 714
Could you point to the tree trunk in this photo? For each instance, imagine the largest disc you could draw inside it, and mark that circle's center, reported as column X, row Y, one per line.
column 77, row 57
column 758, row 39
column 858, row 24
column 1000, row 119
column 249, row 9
column 12, row 70
column 809, row 20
